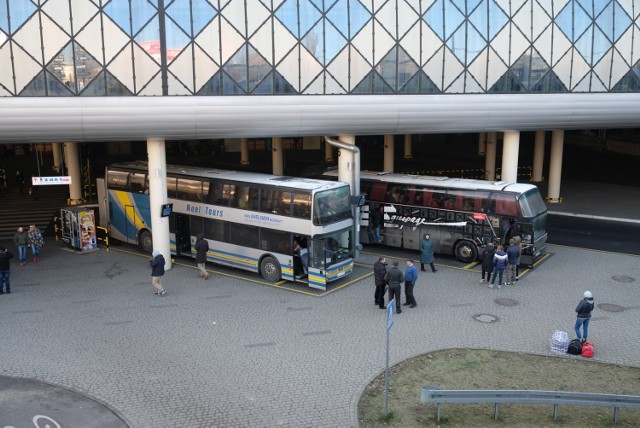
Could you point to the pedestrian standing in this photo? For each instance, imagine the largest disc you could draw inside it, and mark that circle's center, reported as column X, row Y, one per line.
column 36, row 241
column 426, row 253
column 5, row 283
column 500, row 259
column 394, row 277
column 20, row 181
column 513, row 254
column 379, row 272
column 518, row 241
column 410, row 278
column 157, row 271
column 584, row 316
column 21, row 239
column 202, row 248
column 375, row 220
column 487, row 262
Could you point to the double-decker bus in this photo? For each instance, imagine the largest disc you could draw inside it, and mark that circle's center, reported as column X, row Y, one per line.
column 251, row 221
column 461, row 215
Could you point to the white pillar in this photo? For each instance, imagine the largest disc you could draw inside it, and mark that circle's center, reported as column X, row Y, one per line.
column 244, row 151
column 510, row 149
column 408, row 146
column 345, row 161
column 55, row 148
column 482, row 143
column 555, row 166
column 538, row 157
column 72, row 160
column 277, row 156
column 157, row 197
column 490, row 158
column 328, row 152
column 388, row 153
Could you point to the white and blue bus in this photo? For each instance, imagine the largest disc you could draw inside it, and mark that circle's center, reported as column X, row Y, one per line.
column 252, row 221
column 461, row 215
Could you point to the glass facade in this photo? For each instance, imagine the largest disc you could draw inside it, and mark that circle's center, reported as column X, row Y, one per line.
column 286, row 47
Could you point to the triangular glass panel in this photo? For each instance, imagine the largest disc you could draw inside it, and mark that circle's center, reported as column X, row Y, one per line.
column 475, row 44
column 549, row 83
column 338, row 16
column 621, row 21
column 36, row 88
column 177, row 40
column 141, row 13
column 281, row 86
column 427, row 86
column 96, row 88
column 258, row 67
column 287, row 14
column 457, row 43
column 629, row 83
column 236, row 67
column 407, row 68
column 335, row 41
column 149, row 40
column 179, row 11
column 114, row 87
column 573, row 21
column 20, row 13
column 508, row 83
column 318, row 4
column 87, row 68
column 308, row 16
column 454, row 19
column 601, row 44
column 118, row 11
column 314, row 42
column 412, row 86
column 380, row 86
column 212, row 87
column 230, row 87
column 358, row 17
column 365, row 86
column 434, row 18
column 480, row 20
column 265, row 87
column 61, row 66
column 203, row 13
column 539, row 67
column 57, row 88
column 4, row 17
column 521, row 69
column 497, row 19
column 386, row 68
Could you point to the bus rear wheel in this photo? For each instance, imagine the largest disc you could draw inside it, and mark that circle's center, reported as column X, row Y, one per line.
column 466, row 252
column 270, row 269
column 146, row 242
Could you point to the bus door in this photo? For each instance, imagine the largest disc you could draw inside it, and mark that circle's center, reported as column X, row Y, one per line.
column 183, row 235
column 131, row 231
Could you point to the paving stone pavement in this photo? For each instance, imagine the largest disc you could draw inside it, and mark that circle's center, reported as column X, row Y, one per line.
column 233, row 353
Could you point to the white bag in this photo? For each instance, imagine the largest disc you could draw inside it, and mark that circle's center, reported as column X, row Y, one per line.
column 559, row 342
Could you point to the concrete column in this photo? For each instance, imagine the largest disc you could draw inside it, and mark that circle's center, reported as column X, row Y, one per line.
column 490, row 158
column 328, row 152
column 555, row 166
column 57, row 159
column 277, row 158
column 388, row 153
column 158, row 196
column 408, row 146
column 538, row 157
column 510, row 149
column 482, row 143
column 345, row 161
column 349, row 172
column 72, row 160
column 244, row 151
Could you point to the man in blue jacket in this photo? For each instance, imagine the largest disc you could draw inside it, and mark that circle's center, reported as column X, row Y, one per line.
column 157, row 271
column 410, row 278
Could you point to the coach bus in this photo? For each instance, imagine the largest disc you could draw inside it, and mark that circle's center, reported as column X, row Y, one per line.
column 461, row 215
column 255, row 222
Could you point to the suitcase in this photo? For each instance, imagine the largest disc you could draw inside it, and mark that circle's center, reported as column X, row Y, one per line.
column 559, row 342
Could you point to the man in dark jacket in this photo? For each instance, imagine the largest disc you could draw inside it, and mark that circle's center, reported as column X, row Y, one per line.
column 202, row 248
column 487, row 262
column 157, row 271
column 379, row 271
column 21, row 239
column 584, row 315
column 513, row 254
column 5, row 255
column 394, row 277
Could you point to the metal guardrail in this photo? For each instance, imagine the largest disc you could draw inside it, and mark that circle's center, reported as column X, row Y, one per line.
column 505, row 396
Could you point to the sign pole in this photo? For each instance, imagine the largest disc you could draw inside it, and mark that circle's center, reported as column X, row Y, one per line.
column 390, row 307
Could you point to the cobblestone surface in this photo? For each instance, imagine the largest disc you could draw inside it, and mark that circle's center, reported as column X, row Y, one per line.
column 232, row 353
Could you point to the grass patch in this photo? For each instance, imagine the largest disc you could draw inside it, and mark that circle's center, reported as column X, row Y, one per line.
column 486, row 369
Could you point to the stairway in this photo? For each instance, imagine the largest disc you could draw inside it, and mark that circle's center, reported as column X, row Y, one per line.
column 22, row 210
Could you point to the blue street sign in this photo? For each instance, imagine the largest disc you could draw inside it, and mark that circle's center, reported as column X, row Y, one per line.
column 390, row 306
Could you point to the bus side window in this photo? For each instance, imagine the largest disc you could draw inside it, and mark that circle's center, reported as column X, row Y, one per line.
column 241, row 199
column 378, row 192
column 506, row 204
column 214, row 195
column 137, row 181
column 118, row 180
column 172, row 187
column 302, row 205
column 284, row 203
column 190, row 190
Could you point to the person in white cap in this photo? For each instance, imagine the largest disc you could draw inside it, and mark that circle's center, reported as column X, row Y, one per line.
column 584, row 316
column 157, row 271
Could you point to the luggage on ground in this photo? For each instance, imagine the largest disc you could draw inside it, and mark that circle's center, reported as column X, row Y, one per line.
column 587, row 349
column 575, row 347
column 559, row 342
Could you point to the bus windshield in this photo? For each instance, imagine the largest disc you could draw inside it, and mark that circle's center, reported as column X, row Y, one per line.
column 532, row 204
column 331, row 206
column 330, row 248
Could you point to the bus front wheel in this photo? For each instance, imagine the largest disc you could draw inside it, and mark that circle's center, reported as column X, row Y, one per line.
column 270, row 269
column 466, row 252
column 146, row 242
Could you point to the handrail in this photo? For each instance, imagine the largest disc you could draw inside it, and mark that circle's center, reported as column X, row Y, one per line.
column 514, row 396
